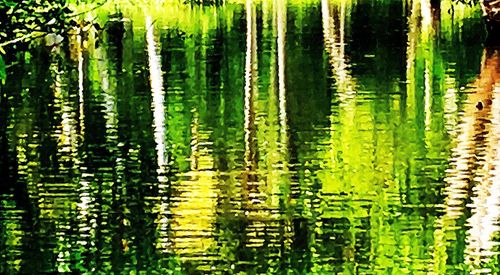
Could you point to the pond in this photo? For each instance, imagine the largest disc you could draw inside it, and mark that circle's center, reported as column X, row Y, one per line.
column 308, row 136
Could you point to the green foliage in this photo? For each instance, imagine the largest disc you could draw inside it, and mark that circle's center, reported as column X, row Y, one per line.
column 468, row 2
column 205, row 2
column 23, row 19
column 3, row 73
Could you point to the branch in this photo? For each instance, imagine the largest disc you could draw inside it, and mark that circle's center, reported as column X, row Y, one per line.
column 24, row 37
column 34, row 34
column 89, row 10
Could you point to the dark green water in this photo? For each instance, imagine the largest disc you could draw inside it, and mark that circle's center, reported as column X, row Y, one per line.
column 316, row 137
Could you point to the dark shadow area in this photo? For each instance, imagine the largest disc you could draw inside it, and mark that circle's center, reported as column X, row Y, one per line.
column 493, row 38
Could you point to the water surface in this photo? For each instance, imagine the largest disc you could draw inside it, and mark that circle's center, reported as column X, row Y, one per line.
column 262, row 137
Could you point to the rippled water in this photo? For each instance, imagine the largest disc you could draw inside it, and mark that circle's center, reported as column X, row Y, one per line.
column 274, row 137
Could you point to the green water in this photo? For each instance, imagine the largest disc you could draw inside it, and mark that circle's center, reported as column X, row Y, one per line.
column 303, row 137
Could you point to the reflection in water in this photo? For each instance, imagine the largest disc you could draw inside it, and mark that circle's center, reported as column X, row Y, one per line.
column 250, row 94
column 157, row 93
column 258, row 137
column 482, row 106
column 266, row 179
column 157, row 106
column 472, row 171
column 334, row 28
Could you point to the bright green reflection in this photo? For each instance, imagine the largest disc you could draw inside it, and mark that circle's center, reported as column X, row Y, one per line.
column 254, row 137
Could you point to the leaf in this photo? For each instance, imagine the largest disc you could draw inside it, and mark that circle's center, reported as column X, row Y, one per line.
column 52, row 21
column 3, row 72
column 10, row 3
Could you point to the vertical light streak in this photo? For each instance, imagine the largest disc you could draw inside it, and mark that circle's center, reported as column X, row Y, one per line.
column 281, row 71
column 334, row 32
column 79, row 49
column 284, row 187
column 156, row 82
column 411, row 58
column 158, row 100
column 427, row 37
column 428, row 92
column 250, row 75
column 334, row 36
column 86, row 225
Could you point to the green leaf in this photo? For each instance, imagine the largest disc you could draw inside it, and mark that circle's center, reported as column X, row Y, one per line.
column 3, row 72
column 10, row 3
